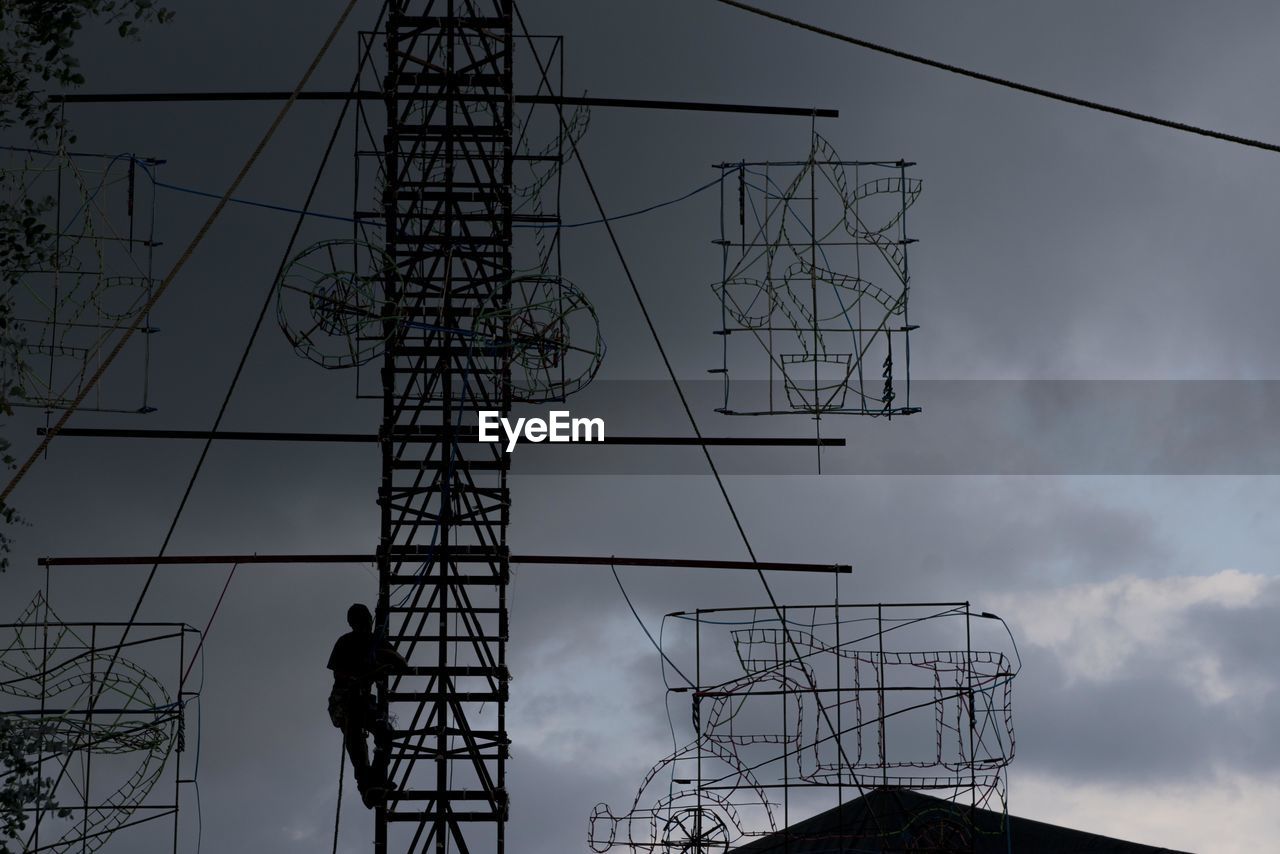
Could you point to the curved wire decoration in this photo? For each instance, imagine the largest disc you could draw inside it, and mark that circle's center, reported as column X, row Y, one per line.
column 98, row 215
column 328, row 302
column 815, row 284
column 552, row 334
column 529, row 188
column 115, row 748
column 848, row 699
column 550, row 330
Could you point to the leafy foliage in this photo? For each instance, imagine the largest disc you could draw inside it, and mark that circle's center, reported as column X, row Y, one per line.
column 23, row 787
column 37, row 44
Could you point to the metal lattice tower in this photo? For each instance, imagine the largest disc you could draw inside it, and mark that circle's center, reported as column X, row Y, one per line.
column 443, row 563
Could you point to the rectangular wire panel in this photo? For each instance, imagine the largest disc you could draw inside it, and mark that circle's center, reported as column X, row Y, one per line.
column 71, row 302
column 814, row 288
column 101, row 717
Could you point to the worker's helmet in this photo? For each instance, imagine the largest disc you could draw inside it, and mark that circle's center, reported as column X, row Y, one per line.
column 358, row 617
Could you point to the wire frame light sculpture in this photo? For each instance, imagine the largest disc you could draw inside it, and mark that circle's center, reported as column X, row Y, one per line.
column 551, row 330
column 802, row 706
column 96, row 719
column 814, row 287
column 328, row 303
column 84, row 280
column 552, row 335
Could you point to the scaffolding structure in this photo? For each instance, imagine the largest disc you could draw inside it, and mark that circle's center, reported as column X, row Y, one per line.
column 443, row 563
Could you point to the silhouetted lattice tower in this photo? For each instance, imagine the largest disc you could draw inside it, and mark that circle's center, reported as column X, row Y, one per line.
column 443, row 563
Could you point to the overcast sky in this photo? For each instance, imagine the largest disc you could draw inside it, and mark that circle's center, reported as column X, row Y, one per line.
column 1123, row 529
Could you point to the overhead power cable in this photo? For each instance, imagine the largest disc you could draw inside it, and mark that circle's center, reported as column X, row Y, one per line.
column 139, row 318
column 340, row 218
column 1006, row 83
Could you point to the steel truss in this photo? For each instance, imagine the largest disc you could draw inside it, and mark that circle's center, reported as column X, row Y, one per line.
column 443, row 563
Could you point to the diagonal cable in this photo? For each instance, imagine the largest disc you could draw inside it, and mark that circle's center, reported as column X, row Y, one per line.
column 1006, row 83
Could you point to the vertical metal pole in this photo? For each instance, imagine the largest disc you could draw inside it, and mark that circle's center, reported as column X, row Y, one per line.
column 906, row 279
column 57, row 270
column 840, row 770
column 44, row 678
column 786, row 762
column 813, row 264
column 146, row 322
column 968, row 662
column 88, row 762
column 857, row 272
column 768, row 279
column 724, row 297
column 562, row 323
column 880, row 692
column 181, row 710
column 697, row 725
column 133, row 173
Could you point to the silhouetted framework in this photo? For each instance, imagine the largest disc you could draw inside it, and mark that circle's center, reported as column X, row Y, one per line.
column 443, row 564
column 815, row 285
column 70, row 304
column 101, row 715
column 796, row 707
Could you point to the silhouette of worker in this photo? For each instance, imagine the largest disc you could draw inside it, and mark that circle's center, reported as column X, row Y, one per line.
column 358, row 658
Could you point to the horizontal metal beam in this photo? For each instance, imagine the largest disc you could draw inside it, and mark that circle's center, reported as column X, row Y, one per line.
column 553, row 560
column 843, row 606
column 367, row 95
column 571, row 560
column 696, row 106
column 112, row 625
column 465, row 436
column 211, row 560
column 223, row 435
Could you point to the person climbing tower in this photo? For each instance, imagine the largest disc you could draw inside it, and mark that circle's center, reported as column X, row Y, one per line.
column 358, row 658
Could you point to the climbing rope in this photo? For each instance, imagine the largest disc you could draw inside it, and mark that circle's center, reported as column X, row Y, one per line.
column 342, row 772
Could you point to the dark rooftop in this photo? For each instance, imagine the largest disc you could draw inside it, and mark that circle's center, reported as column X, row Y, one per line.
column 894, row 820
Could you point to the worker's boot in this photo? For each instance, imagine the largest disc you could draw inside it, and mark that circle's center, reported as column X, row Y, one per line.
column 373, row 782
column 374, row 795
